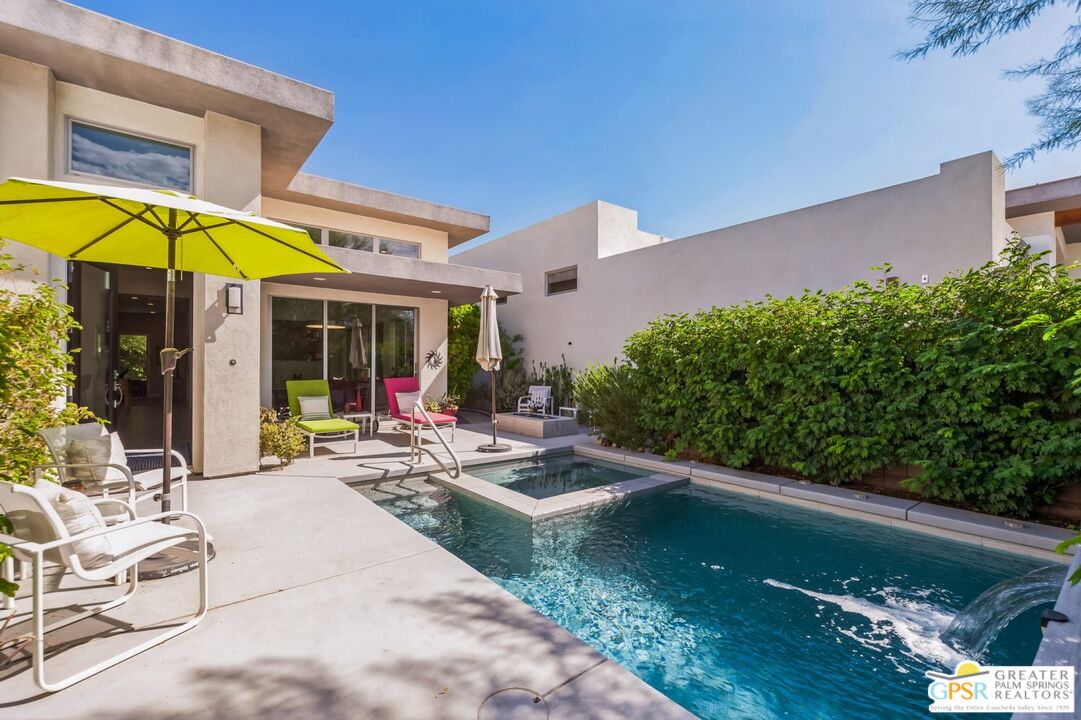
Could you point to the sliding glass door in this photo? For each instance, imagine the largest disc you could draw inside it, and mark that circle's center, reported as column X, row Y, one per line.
column 395, row 347
column 351, row 345
column 349, row 354
column 296, row 344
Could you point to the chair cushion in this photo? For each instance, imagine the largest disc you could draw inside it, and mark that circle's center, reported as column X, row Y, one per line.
column 437, row 418
column 151, row 479
column 99, row 451
column 314, row 407
column 327, row 426
column 406, row 401
column 79, row 515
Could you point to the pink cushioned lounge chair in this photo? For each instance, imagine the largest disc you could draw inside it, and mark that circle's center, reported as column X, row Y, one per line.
column 411, row 385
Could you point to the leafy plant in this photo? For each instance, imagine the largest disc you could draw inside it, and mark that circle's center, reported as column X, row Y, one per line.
column 559, row 377
column 836, row 385
column 279, row 437
column 34, row 373
column 463, row 328
column 609, row 400
column 438, row 404
column 965, row 26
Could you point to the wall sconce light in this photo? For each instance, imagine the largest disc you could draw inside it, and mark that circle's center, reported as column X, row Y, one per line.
column 234, row 299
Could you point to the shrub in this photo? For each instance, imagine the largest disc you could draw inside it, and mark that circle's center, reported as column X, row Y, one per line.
column 559, row 377
column 279, row 437
column 463, row 327
column 835, row 385
column 608, row 400
column 34, row 373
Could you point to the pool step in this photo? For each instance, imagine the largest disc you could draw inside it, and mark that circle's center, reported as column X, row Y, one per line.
column 532, row 509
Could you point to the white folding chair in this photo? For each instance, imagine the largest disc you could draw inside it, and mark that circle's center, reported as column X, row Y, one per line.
column 40, row 536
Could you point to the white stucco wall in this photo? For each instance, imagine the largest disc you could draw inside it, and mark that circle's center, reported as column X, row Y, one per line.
column 931, row 226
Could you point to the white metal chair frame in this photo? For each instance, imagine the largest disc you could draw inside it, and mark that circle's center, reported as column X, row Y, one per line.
column 549, row 401
column 21, row 505
column 52, row 439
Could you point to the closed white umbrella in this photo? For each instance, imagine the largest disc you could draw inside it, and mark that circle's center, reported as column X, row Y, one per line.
column 489, row 356
column 358, row 354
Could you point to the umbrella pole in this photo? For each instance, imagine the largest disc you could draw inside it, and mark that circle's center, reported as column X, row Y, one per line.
column 495, row 445
column 495, row 441
column 168, row 366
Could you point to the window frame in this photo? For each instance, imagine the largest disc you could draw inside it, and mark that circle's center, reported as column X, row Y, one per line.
column 70, row 121
column 377, row 240
column 548, row 285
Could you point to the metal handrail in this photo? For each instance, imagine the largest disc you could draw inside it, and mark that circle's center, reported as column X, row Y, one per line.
column 415, row 446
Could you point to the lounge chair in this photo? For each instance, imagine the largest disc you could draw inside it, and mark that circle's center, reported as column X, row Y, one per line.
column 136, row 485
column 40, row 535
column 319, row 423
column 539, row 396
column 394, row 386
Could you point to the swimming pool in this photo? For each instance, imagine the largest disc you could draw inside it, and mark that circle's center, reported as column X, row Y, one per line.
column 737, row 607
column 558, row 475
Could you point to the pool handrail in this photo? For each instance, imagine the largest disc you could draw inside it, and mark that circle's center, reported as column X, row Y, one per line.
column 415, row 445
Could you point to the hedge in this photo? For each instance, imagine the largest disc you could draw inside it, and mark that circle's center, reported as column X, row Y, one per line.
column 957, row 378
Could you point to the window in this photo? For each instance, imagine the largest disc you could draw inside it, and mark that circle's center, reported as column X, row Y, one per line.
column 370, row 243
column 561, row 281
column 351, row 345
column 399, row 248
column 110, row 154
column 316, row 234
column 296, row 343
column 337, row 238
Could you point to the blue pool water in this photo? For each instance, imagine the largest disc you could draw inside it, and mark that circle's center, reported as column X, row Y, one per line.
column 542, row 478
column 736, row 607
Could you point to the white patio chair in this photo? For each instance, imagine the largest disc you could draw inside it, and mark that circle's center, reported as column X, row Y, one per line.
column 539, row 396
column 40, row 536
column 137, row 485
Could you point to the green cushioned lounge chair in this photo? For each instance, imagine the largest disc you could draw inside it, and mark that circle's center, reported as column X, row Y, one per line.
column 321, row 424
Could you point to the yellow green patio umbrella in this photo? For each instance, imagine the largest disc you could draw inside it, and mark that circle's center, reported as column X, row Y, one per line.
column 155, row 228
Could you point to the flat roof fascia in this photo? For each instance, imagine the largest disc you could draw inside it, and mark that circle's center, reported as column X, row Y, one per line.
column 1051, row 196
column 460, row 225
column 390, row 275
column 86, row 48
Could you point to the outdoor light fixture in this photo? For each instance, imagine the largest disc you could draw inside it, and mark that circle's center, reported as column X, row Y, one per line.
column 234, row 299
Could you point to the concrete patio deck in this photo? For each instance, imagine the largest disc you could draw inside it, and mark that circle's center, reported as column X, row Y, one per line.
column 325, row 606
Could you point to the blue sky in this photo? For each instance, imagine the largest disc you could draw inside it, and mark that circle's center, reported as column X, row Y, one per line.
column 697, row 114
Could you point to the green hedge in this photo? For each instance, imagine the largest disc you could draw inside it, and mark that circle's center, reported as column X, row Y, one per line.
column 957, row 378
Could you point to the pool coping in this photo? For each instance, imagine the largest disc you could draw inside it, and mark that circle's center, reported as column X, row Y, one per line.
column 532, row 509
column 990, row 531
column 1061, row 643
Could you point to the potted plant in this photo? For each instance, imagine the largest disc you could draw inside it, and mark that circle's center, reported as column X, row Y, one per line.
column 446, row 405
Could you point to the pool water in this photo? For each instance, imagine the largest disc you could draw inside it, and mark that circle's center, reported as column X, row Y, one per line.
column 737, row 607
column 551, row 476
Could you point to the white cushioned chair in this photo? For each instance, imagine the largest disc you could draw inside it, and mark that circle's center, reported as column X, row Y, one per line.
column 136, row 486
column 40, row 535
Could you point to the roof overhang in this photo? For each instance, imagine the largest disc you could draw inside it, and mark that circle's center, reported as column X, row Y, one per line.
column 1062, row 197
column 389, row 275
column 460, row 225
column 96, row 51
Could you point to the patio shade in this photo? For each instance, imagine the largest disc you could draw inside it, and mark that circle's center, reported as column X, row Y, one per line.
column 155, row 228
column 489, row 356
column 129, row 226
column 489, row 350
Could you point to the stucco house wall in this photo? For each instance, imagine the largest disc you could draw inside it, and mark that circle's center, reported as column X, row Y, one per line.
column 930, row 226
